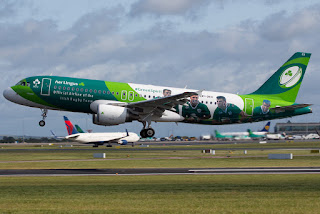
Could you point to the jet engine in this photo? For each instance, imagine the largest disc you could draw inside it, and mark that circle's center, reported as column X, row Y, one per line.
column 123, row 142
column 110, row 115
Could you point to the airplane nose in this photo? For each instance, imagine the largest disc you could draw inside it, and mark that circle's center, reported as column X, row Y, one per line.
column 10, row 94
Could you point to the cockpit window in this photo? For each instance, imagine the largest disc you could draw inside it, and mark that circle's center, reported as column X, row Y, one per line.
column 21, row 83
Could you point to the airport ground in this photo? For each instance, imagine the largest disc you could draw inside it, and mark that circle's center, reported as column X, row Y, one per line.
column 115, row 190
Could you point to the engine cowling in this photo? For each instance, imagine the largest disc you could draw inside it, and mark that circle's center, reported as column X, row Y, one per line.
column 123, row 142
column 109, row 115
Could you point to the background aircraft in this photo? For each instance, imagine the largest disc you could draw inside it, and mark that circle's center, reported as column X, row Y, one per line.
column 256, row 136
column 114, row 103
column 97, row 139
column 240, row 135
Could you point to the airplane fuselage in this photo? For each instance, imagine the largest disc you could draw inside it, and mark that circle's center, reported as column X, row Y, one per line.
column 78, row 95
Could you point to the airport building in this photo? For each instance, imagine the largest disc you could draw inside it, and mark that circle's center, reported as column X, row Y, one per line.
column 297, row 128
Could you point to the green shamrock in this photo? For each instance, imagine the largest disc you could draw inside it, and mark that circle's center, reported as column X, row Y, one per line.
column 288, row 73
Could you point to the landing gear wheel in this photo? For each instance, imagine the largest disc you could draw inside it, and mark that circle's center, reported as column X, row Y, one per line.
column 42, row 123
column 143, row 133
column 150, row 132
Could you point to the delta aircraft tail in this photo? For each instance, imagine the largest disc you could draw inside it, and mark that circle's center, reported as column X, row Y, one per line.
column 70, row 128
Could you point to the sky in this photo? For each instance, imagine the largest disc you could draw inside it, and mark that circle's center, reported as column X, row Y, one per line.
column 219, row 45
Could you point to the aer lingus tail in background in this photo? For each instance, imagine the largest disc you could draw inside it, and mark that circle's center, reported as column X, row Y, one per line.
column 79, row 129
column 114, row 103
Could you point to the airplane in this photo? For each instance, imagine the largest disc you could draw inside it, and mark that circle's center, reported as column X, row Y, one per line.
column 256, row 136
column 276, row 136
column 241, row 135
column 114, row 103
column 99, row 138
column 220, row 136
column 264, row 130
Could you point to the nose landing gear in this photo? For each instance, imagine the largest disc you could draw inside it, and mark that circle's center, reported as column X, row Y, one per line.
column 44, row 115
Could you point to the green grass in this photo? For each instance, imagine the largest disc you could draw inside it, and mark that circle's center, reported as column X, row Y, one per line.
column 161, row 194
column 169, row 157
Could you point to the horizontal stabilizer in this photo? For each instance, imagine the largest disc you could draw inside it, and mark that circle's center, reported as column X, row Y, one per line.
column 289, row 108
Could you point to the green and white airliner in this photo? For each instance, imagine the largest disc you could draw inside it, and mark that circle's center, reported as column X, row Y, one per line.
column 113, row 103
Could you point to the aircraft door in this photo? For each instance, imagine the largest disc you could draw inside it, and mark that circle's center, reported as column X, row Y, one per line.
column 45, row 86
column 249, row 104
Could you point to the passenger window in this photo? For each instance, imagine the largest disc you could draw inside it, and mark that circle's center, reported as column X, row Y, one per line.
column 28, row 84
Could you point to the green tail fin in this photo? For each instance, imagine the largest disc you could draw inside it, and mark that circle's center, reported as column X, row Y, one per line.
column 286, row 81
column 79, row 129
column 217, row 133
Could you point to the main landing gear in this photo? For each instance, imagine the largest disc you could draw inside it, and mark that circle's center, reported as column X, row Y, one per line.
column 147, row 132
column 44, row 115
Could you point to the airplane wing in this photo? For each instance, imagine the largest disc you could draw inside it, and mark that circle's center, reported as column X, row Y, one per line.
column 158, row 105
column 290, row 108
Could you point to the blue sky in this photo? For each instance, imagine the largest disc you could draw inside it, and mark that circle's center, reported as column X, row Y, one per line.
column 229, row 45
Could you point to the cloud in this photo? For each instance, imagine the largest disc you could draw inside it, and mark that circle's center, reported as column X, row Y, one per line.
column 280, row 26
column 237, row 58
column 166, row 7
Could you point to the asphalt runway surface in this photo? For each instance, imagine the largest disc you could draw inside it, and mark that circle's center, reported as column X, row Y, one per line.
column 158, row 171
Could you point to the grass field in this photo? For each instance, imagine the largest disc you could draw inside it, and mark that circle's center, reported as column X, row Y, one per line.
column 159, row 194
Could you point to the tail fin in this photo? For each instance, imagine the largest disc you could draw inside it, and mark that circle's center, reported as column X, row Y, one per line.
column 286, row 81
column 70, row 128
column 217, row 133
column 266, row 127
column 53, row 134
column 250, row 132
column 79, row 129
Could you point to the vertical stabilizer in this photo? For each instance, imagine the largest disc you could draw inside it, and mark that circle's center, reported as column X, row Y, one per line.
column 266, row 127
column 285, row 82
column 70, row 128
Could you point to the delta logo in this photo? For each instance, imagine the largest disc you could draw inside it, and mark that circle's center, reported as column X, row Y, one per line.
column 290, row 77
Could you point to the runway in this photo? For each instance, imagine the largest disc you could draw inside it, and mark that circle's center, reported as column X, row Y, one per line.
column 158, row 171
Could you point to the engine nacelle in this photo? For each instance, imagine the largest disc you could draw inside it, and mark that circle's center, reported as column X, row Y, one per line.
column 110, row 115
column 123, row 142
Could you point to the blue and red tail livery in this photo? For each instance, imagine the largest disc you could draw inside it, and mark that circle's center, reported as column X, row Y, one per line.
column 70, row 128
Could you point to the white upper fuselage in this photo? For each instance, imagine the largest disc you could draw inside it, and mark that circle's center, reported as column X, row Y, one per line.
column 103, row 137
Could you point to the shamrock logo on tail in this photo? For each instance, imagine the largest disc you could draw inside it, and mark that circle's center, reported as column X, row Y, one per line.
column 289, row 73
